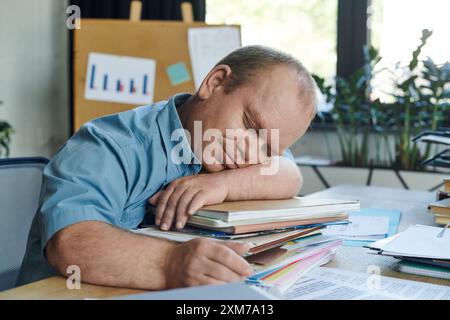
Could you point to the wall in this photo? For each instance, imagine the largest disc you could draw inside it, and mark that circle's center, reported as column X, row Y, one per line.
column 34, row 74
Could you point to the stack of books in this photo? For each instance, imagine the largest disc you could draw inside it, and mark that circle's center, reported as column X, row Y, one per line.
column 423, row 250
column 441, row 207
column 285, row 236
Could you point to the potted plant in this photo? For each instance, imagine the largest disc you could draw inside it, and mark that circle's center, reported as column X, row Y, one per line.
column 353, row 111
column 421, row 99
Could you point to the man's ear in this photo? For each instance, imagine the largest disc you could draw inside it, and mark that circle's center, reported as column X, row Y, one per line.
column 215, row 79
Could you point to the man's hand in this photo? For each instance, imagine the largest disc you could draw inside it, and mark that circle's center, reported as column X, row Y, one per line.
column 184, row 196
column 204, row 261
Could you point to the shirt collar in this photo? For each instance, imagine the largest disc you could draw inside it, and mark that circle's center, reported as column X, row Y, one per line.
column 169, row 121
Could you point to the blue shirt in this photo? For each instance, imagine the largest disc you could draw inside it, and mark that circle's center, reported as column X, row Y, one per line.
column 106, row 172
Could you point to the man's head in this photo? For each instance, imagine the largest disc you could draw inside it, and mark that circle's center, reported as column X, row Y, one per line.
column 255, row 87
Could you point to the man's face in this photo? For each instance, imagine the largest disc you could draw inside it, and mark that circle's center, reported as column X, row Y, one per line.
column 270, row 102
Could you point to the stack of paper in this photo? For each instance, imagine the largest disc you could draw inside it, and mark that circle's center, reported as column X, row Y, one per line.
column 284, row 235
column 362, row 228
column 279, row 274
column 424, row 245
column 261, row 242
column 249, row 216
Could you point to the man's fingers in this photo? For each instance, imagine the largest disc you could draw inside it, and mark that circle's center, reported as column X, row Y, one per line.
column 182, row 214
column 239, row 247
column 154, row 199
column 226, row 256
column 170, row 208
column 204, row 280
column 221, row 272
column 162, row 202
column 197, row 202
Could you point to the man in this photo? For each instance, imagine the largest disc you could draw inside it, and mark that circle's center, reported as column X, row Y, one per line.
column 100, row 182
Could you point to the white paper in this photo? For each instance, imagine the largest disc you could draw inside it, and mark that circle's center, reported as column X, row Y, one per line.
column 120, row 79
column 361, row 228
column 336, row 284
column 420, row 241
column 309, row 288
column 207, row 46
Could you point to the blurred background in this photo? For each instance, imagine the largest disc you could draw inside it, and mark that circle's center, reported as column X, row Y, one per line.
column 381, row 65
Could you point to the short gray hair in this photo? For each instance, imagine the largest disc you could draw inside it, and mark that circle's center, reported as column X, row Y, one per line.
column 247, row 61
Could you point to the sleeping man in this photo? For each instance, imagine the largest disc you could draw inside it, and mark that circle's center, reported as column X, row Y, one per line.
column 227, row 142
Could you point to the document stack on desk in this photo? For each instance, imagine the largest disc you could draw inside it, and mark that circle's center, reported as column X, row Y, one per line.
column 366, row 226
column 251, row 216
column 424, row 250
column 441, row 208
column 284, row 235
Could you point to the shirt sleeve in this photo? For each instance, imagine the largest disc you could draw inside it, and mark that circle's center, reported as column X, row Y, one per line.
column 85, row 181
column 288, row 154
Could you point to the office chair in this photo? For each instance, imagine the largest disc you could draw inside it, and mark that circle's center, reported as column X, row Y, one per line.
column 20, row 185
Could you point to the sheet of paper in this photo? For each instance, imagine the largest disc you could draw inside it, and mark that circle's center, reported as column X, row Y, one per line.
column 361, row 228
column 309, row 288
column 422, row 242
column 120, row 79
column 208, row 45
column 394, row 221
column 336, row 284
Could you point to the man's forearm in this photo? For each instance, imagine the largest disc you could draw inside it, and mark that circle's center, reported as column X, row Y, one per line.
column 250, row 183
column 109, row 256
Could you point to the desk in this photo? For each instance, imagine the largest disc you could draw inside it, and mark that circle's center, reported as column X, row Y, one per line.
column 412, row 204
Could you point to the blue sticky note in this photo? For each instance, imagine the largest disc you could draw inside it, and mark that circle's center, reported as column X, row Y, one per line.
column 178, row 73
column 394, row 221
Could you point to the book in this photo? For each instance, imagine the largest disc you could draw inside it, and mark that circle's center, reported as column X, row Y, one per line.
column 258, row 243
column 441, row 207
column 279, row 280
column 281, row 256
column 433, row 262
column 446, row 185
column 246, row 226
column 442, row 220
column 417, row 241
column 442, row 194
column 297, row 207
column 424, row 270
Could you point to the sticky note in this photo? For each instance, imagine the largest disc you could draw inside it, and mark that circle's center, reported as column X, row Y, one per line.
column 178, row 73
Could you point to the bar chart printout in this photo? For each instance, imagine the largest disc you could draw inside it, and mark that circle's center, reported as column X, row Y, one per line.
column 120, row 79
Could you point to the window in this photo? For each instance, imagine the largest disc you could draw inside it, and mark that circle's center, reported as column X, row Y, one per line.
column 306, row 29
column 395, row 30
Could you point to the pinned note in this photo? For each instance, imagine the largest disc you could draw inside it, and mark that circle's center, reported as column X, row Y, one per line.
column 178, row 73
column 208, row 45
column 120, row 79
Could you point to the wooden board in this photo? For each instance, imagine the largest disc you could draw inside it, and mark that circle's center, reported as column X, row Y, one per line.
column 166, row 42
